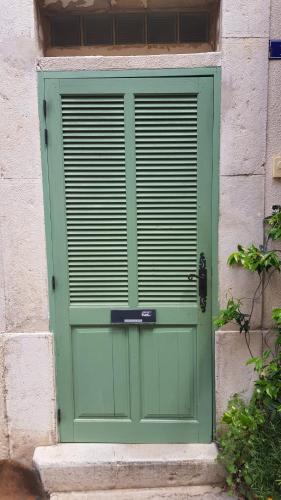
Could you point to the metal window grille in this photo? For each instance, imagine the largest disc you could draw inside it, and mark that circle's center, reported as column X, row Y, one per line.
column 65, row 31
column 130, row 28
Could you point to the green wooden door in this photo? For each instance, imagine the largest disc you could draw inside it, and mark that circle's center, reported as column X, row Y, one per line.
column 130, row 174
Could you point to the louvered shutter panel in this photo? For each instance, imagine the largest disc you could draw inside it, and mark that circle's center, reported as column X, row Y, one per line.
column 166, row 178
column 95, row 187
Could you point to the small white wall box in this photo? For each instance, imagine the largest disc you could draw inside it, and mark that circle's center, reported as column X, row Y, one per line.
column 277, row 167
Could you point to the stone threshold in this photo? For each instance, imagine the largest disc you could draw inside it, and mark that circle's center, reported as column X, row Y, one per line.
column 77, row 467
column 180, row 493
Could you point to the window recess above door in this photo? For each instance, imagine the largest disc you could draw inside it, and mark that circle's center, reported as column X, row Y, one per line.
column 141, row 27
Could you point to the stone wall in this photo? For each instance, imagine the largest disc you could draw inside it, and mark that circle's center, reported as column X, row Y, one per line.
column 273, row 186
column 250, row 137
column 26, row 379
column 244, row 46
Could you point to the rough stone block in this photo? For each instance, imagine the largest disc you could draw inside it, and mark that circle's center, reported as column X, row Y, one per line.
column 273, row 186
column 180, row 493
column 19, row 126
column 24, row 256
column 241, row 222
column 86, row 467
column 242, row 18
column 244, row 106
column 30, row 393
column 4, row 444
column 272, row 299
column 19, row 123
column 21, row 24
column 2, row 284
column 232, row 374
column 275, row 24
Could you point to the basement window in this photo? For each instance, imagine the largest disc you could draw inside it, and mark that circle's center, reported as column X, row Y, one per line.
column 65, row 31
column 98, row 30
column 162, row 27
column 193, row 27
column 129, row 28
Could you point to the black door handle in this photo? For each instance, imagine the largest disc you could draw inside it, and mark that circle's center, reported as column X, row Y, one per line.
column 202, row 278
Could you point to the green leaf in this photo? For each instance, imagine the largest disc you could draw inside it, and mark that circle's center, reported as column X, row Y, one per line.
column 233, row 313
column 274, row 223
column 252, row 361
column 276, row 315
column 254, row 259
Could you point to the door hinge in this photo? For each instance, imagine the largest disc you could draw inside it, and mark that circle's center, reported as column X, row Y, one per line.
column 45, row 108
column 46, row 137
column 53, row 283
column 59, row 415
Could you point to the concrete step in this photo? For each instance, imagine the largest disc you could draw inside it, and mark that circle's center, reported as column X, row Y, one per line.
column 86, row 467
column 180, row 493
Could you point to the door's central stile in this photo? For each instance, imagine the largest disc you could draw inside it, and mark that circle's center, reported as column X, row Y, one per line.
column 131, row 199
column 132, row 331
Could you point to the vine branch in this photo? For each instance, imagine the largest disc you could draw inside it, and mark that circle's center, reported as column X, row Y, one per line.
column 260, row 260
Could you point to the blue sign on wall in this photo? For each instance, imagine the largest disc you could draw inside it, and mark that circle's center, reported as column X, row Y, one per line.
column 275, row 49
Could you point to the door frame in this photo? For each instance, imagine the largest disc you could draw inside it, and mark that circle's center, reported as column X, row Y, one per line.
column 215, row 73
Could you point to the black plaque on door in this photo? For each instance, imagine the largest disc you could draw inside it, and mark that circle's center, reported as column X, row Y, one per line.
column 133, row 316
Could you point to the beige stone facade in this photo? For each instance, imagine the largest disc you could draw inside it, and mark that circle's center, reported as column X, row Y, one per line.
column 250, row 139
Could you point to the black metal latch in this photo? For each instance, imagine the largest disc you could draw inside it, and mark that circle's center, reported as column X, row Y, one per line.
column 202, row 278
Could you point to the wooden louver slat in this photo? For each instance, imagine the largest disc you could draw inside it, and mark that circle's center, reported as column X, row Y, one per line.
column 95, row 186
column 166, row 179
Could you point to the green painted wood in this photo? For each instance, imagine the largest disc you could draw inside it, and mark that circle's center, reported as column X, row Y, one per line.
column 167, row 366
column 215, row 219
column 209, row 71
column 166, row 197
column 176, row 315
column 60, row 261
column 204, row 327
column 131, row 199
column 101, row 363
column 95, row 186
column 99, row 139
column 144, row 431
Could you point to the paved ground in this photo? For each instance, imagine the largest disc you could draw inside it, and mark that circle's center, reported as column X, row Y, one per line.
column 180, row 493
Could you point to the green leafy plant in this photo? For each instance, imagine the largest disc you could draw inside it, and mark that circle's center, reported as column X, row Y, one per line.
column 274, row 223
column 233, row 312
column 250, row 435
column 276, row 316
column 236, row 443
column 254, row 259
